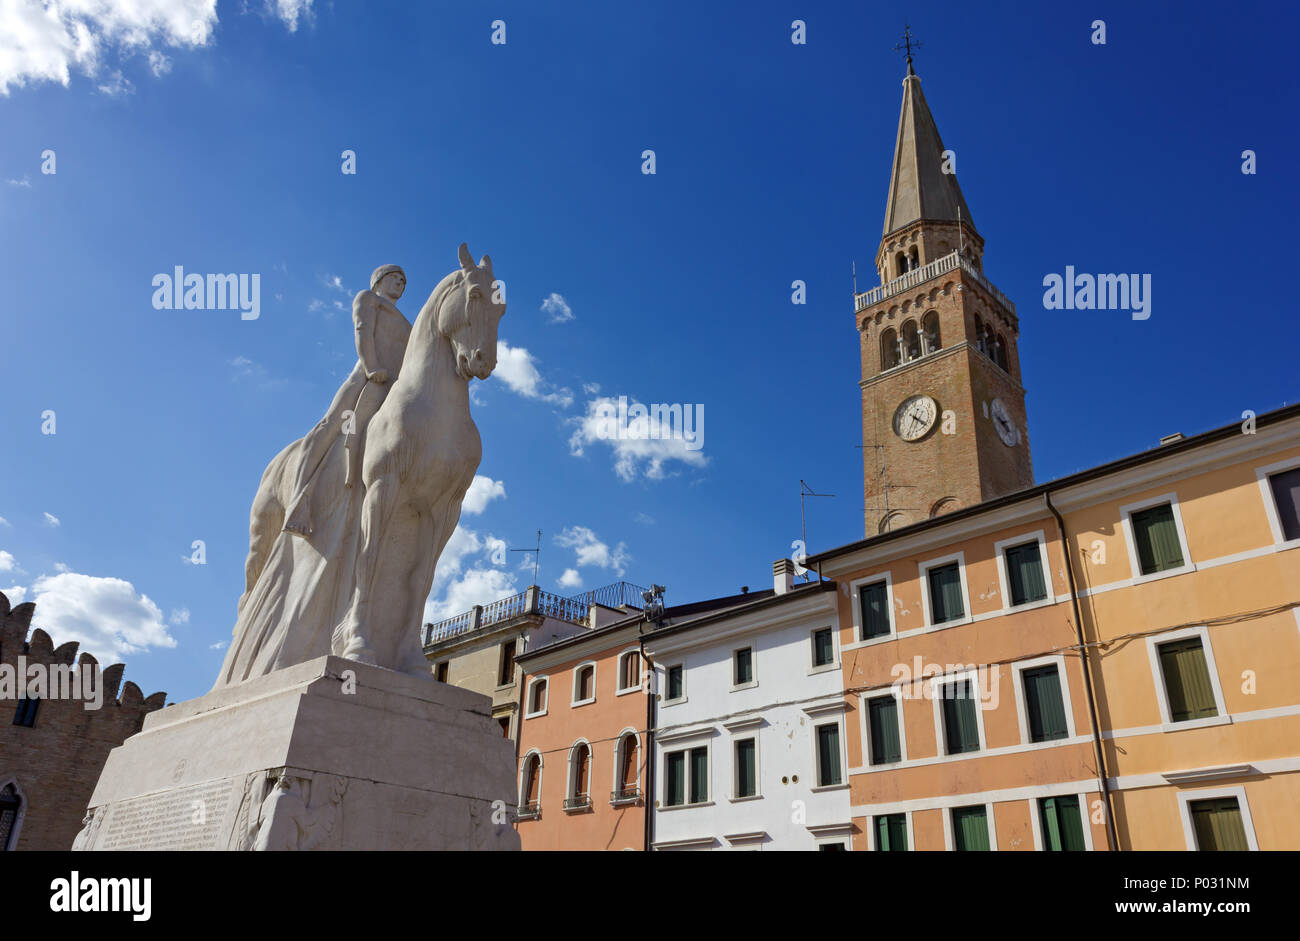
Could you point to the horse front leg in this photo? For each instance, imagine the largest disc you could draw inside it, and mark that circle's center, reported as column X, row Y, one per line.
column 351, row 637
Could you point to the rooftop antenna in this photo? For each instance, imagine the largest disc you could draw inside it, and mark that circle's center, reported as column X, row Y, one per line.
column 855, row 281
column 654, row 603
column 961, row 241
column 537, row 555
column 909, row 43
column 806, row 491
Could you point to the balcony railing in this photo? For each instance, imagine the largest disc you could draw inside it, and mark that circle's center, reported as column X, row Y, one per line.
column 949, row 262
column 574, row 804
column 529, row 810
column 617, row 595
column 625, row 795
column 534, row 600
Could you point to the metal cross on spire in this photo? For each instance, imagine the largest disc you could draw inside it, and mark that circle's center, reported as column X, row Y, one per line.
column 908, row 44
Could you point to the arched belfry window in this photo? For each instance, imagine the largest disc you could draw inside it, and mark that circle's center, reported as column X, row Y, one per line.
column 914, row 258
column 888, row 349
column 911, row 342
column 981, row 341
column 1000, row 352
column 900, row 265
column 930, row 331
column 11, row 805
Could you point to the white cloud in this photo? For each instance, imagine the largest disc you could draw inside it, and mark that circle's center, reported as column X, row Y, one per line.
column 5, row 522
column 60, row 567
column 247, row 370
column 645, row 519
column 106, row 615
column 591, row 388
column 476, row 586
column 51, row 519
column 117, row 85
column 16, row 594
column 591, row 551
column 482, row 491
column 7, row 563
column 219, row 645
column 24, row 182
column 642, row 446
column 517, row 368
column 558, row 308
column 47, row 42
column 159, row 64
column 180, row 616
column 570, row 579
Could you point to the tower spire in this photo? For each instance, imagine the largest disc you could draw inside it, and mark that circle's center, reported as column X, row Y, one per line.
column 909, row 42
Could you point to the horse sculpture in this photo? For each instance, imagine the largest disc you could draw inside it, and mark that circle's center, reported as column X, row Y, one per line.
column 356, row 585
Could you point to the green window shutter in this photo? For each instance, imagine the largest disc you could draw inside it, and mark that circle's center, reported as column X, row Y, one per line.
column 674, row 682
column 1025, row 571
column 891, row 833
column 675, row 785
column 823, row 647
column 1043, row 704
column 1156, row 536
column 828, row 755
column 744, row 666
column 699, row 775
column 746, row 782
column 945, row 594
column 1187, row 680
column 970, row 828
column 873, row 601
column 1286, row 494
column 1061, row 823
column 885, row 745
column 961, row 727
column 1218, row 825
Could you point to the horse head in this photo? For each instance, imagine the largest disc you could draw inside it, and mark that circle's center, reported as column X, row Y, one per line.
column 469, row 315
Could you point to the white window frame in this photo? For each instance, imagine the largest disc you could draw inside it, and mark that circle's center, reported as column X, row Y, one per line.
column 871, row 828
column 524, row 764
column 865, row 711
column 999, row 551
column 821, row 718
column 1270, row 504
column 949, row 843
column 812, row 650
column 924, row 569
column 680, row 699
column 686, row 744
column 1126, row 512
column 1162, row 695
column 577, row 671
column 618, row 760
column 571, row 781
column 855, row 596
column 940, row 739
column 752, row 647
column 546, row 697
column 1022, row 705
column 1035, row 813
column 636, row 687
column 1185, row 799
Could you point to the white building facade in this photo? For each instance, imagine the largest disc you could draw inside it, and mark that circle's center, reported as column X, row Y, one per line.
column 749, row 738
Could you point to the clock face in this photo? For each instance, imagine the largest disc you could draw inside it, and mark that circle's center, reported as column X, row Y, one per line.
column 1003, row 422
column 915, row 417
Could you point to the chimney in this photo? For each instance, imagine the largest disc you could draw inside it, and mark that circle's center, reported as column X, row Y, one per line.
column 782, row 575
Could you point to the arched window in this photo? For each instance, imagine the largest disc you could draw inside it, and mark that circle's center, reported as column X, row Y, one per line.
column 900, row 264
column 914, row 258
column 930, row 329
column 891, row 521
column 584, row 683
column 11, row 805
column 629, row 671
column 537, row 696
column 943, row 505
column 888, row 349
column 981, row 342
column 911, row 342
column 1000, row 352
column 627, row 768
column 530, row 786
column 579, row 777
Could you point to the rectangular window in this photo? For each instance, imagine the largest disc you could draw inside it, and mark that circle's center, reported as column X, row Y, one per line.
column 1218, row 824
column 699, row 775
column 828, row 754
column 882, row 713
column 891, row 833
column 25, row 714
column 945, row 593
column 441, row 675
column 675, row 682
column 1044, row 707
column 823, row 647
column 631, row 675
column 873, row 605
column 1025, row 572
column 1156, row 536
column 830, row 848
column 960, row 725
column 1286, row 494
column 746, row 768
column 1187, row 680
column 675, row 778
column 1061, row 824
column 970, row 829
column 744, row 666
column 506, row 671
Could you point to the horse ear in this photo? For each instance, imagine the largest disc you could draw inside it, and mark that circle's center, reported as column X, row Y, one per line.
column 466, row 259
column 485, row 262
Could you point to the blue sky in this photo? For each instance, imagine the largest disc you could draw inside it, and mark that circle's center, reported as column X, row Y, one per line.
column 223, row 155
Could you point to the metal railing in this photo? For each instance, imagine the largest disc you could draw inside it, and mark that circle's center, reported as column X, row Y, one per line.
column 949, row 262
column 617, row 595
column 625, row 795
column 580, row 802
column 534, row 600
column 529, row 810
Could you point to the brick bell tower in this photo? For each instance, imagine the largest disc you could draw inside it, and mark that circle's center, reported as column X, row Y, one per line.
column 943, row 408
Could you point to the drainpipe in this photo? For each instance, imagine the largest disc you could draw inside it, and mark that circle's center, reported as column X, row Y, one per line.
column 650, row 751
column 1112, row 838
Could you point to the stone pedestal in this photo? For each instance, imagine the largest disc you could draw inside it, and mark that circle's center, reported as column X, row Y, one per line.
column 327, row 754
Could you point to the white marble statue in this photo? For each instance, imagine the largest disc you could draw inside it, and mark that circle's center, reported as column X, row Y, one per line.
column 349, row 521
